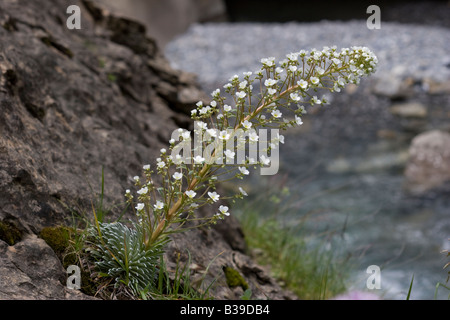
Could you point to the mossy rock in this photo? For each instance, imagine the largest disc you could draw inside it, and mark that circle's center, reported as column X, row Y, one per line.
column 234, row 278
column 58, row 238
column 9, row 233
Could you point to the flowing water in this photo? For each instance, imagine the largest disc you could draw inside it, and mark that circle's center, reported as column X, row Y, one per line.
column 349, row 180
column 345, row 165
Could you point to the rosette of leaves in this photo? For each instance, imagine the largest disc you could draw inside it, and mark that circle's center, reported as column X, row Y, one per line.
column 120, row 253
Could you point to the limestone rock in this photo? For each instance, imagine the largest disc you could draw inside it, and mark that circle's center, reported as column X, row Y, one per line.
column 409, row 110
column 428, row 165
column 73, row 102
column 394, row 86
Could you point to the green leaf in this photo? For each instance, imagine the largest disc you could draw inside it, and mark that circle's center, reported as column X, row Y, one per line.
column 410, row 287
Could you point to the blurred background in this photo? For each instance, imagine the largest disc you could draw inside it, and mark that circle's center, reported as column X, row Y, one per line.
column 169, row 18
column 371, row 171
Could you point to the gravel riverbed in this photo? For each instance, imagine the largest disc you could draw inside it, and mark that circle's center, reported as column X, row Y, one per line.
column 217, row 51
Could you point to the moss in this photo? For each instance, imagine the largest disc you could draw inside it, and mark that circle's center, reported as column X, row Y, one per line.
column 112, row 77
column 57, row 238
column 234, row 278
column 9, row 233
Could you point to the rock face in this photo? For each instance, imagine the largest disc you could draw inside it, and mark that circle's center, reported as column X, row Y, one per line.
column 429, row 162
column 73, row 102
column 166, row 19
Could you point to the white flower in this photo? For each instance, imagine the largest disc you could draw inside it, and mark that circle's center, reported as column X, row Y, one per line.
column 226, row 108
column 303, row 84
column 229, row 154
column 219, row 116
column 177, row 175
column 161, row 164
column 224, row 135
column 193, row 206
column 298, row 120
column 140, row 206
column 235, row 77
column 242, row 191
column 163, row 150
column 244, row 170
column 292, row 56
column 127, row 191
column 253, row 137
column 248, row 74
column 264, row 160
column 271, row 91
column 320, row 70
column 316, row 100
column 302, row 109
column 247, row 124
column 241, row 94
column 214, row 196
column 279, row 70
column 186, row 135
column 293, row 68
column 205, row 110
column 243, row 84
column 212, row 132
column 146, row 167
column 224, row 210
column 201, row 125
column 213, row 104
column 216, row 93
column 295, row 97
column 270, row 82
column 172, row 141
column 199, row 104
column 336, row 61
column 268, row 61
column 143, row 190
column 136, row 178
column 317, row 55
column 314, row 80
column 198, row 159
column 159, row 205
column 341, row 82
column 276, row 113
column 191, row 193
column 193, row 112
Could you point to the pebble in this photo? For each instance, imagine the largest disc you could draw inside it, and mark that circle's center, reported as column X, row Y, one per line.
column 217, row 51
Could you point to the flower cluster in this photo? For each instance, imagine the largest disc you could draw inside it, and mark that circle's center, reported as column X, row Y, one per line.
column 274, row 96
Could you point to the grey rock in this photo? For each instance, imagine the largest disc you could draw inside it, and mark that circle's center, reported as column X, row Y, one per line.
column 30, row 270
column 409, row 110
column 428, row 165
column 73, row 102
column 166, row 19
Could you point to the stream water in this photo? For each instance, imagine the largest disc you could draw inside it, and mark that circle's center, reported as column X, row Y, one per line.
column 348, row 178
column 345, row 165
column 378, row 225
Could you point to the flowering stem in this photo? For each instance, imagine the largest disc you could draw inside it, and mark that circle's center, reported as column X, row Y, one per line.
column 305, row 71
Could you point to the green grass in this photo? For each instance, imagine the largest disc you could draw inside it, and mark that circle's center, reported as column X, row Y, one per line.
column 302, row 262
